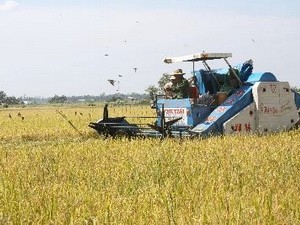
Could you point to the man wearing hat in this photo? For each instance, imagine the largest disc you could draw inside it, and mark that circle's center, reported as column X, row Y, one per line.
column 181, row 85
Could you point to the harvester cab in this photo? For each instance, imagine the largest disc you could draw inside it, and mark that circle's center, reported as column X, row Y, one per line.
column 204, row 95
column 221, row 101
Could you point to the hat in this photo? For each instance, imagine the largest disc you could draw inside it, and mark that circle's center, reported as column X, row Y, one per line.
column 178, row 72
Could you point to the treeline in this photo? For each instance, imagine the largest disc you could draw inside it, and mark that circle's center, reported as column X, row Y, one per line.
column 6, row 100
column 9, row 100
column 100, row 98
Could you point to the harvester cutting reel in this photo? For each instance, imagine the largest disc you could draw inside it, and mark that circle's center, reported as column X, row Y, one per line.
column 119, row 126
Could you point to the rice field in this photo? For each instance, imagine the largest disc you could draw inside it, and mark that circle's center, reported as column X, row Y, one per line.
column 52, row 173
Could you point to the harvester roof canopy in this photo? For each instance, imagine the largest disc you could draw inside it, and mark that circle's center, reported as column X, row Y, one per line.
column 198, row 57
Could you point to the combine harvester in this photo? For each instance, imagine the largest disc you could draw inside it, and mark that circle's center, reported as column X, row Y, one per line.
column 259, row 104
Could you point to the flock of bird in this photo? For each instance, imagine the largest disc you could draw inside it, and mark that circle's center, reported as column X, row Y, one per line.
column 19, row 115
column 112, row 81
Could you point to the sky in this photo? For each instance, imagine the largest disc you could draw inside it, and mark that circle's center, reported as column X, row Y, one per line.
column 66, row 47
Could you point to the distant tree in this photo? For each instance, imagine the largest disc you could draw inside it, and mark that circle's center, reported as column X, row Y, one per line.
column 2, row 96
column 163, row 80
column 152, row 90
column 7, row 100
column 58, row 99
column 13, row 101
column 114, row 98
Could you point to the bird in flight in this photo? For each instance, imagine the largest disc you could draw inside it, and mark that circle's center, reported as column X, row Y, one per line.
column 112, row 82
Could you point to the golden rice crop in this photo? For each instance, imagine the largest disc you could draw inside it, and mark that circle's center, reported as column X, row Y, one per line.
column 50, row 174
column 46, row 123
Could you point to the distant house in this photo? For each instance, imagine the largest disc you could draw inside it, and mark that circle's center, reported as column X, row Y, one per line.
column 131, row 98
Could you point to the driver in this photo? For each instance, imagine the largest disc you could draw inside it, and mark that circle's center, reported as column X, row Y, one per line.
column 179, row 86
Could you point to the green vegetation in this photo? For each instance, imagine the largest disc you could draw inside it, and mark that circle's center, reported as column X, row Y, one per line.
column 153, row 90
column 58, row 99
column 9, row 100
